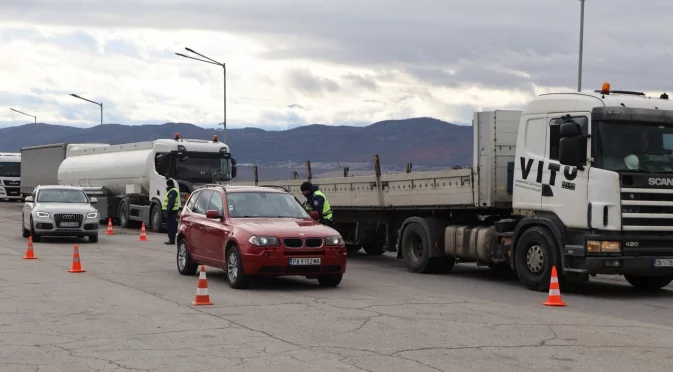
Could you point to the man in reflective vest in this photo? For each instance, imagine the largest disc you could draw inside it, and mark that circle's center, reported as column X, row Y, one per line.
column 171, row 206
column 317, row 204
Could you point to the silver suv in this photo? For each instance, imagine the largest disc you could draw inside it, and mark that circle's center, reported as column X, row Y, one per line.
column 60, row 211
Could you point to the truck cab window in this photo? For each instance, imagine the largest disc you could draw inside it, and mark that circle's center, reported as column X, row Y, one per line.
column 555, row 137
column 162, row 164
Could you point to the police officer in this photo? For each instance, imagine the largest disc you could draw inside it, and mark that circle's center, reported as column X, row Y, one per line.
column 317, row 204
column 171, row 206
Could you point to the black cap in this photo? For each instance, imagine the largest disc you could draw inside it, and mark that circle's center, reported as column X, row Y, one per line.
column 169, row 182
column 306, row 186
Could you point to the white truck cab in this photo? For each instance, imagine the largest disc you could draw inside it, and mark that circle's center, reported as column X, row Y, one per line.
column 599, row 188
column 10, row 176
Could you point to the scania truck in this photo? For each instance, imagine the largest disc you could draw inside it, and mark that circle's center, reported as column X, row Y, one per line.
column 578, row 181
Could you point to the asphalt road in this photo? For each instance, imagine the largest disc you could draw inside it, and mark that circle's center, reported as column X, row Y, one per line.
column 131, row 311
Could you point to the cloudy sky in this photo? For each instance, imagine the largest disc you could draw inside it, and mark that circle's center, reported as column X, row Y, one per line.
column 293, row 62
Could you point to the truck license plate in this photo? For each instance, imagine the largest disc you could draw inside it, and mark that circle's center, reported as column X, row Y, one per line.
column 304, row 261
column 663, row 262
column 69, row 224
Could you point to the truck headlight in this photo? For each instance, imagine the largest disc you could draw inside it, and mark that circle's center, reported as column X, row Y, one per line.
column 92, row 215
column 262, row 241
column 42, row 214
column 604, row 246
column 334, row 240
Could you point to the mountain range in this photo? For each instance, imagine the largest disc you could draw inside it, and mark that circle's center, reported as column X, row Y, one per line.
column 425, row 142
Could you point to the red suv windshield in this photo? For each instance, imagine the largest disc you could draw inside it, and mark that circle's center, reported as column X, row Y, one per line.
column 264, row 204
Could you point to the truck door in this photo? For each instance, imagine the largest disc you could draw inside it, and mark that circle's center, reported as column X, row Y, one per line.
column 564, row 188
column 530, row 157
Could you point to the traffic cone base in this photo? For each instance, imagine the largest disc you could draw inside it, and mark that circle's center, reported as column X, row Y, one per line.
column 554, row 297
column 202, row 296
column 143, row 234
column 109, row 227
column 30, row 254
column 76, row 264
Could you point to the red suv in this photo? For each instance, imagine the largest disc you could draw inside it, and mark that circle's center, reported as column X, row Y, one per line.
column 250, row 230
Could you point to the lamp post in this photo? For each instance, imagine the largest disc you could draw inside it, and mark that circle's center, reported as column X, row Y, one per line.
column 224, row 70
column 579, row 72
column 34, row 117
column 101, row 111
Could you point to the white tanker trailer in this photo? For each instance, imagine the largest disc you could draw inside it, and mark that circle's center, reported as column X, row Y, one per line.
column 129, row 180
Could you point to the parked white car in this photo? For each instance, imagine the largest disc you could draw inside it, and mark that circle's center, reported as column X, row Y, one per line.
column 60, row 211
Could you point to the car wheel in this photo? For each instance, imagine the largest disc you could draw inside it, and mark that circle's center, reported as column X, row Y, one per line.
column 184, row 260
column 24, row 231
column 93, row 238
column 330, row 280
column 235, row 276
column 36, row 238
column 649, row 283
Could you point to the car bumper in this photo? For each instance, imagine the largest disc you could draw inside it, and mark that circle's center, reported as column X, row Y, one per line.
column 47, row 227
column 277, row 262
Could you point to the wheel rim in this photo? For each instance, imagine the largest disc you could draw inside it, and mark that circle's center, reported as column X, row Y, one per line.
column 232, row 267
column 416, row 244
column 535, row 259
column 182, row 256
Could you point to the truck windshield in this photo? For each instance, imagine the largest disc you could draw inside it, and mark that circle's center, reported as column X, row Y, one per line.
column 634, row 147
column 197, row 168
column 264, row 205
column 10, row 169
column 61, row 196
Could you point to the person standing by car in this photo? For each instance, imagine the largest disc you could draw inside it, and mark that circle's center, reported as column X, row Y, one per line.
column 171, row 206
column 317, row 204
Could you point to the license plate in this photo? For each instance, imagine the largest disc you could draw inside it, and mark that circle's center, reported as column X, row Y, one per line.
column 69, row 224
column 304, row 261
column 663, row 262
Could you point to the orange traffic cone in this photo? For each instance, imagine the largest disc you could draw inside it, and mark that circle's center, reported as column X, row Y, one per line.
column 554, row 297
column 143, row 235
column 30, row 255
column 202, row 297
column 76, row 265
column 109, row 227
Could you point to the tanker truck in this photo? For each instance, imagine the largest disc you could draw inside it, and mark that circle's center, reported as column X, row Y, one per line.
column 129, row 180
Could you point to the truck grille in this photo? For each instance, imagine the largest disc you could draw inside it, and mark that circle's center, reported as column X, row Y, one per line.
column 298, row 243
column 647, row 209
column 68, row 220
column 12, row 183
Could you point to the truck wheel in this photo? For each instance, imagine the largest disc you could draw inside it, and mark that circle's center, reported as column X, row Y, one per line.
column 536, row 253
column 416, row 251
column 155, row 214
column 352, row 248
column 373, row 249
column 649, row 283
column 235, row 275
column 123, row 215
column 184, row 260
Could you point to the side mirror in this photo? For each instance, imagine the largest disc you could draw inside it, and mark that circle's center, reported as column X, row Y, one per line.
column 213, row 214
column 570, row 129
column 572, row 151
column 94, row 200
column 29, row 198
column 233, row 168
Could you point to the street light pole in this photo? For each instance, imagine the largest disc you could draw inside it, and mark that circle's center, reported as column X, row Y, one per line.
column 224, row 71
column 34, row 117
column 579, row 72
column 101, row 112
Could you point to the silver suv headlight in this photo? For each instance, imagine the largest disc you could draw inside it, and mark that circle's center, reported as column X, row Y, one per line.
column 92, row 215
column 42, row 214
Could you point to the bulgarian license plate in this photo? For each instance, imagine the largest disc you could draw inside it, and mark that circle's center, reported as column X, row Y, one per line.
column 663, row 262
column 304, row 261
column 69, row 224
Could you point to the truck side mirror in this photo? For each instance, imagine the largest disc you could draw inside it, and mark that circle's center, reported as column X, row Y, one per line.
column 233, row 168
column 573, row 145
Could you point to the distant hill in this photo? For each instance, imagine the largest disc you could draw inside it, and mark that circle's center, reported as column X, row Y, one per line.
column 421, row 141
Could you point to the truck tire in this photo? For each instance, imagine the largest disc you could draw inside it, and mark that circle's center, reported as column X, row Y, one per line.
column 649, row 283
column 373, row 249
column 124, row 214
column 416, row 250
column 156, row 217
column 536, row 253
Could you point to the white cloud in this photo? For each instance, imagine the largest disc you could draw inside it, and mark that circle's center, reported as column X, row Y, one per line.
column 299, row 62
